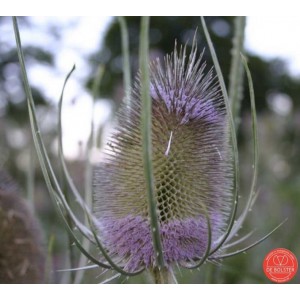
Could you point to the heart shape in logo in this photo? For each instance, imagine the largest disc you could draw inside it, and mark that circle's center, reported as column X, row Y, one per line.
column 280, row 260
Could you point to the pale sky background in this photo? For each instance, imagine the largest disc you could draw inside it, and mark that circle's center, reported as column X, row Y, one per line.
column 274, row 36
column 268, row 37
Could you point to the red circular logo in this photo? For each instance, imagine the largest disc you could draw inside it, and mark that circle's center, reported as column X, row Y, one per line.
column 280, row 265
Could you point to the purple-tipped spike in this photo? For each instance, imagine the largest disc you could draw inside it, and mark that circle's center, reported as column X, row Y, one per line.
column 192, row 167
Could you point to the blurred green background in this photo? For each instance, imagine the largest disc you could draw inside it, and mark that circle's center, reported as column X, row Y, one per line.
column 277, row 100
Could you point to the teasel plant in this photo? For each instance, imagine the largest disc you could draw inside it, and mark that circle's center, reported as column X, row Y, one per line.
column 167, row 193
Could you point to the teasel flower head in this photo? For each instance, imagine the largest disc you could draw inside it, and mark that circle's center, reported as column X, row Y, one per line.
column 192, row 168
column 22, row 251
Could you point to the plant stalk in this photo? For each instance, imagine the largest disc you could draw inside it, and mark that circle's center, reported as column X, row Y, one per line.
column 163, row 276
column 146, row 122
column 236, row 69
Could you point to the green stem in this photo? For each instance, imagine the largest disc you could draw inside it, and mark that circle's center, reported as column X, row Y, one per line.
column 236, row 68
column 126, row 58
column 88, row 182
column 162, row 276
column 146, row 115
column 48, row 269
column 232, row 135
column 31, row 177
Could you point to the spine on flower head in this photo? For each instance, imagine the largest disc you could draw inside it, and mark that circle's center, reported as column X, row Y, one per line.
column 22, row 253
column 192, row 167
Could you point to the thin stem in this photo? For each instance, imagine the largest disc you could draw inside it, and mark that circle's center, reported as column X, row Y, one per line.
column 250, row 246
column 51, row 181
column 208, row 247
column 162, row 276
column 48, row 268
column 88, row 185
column 236, row 68
column 126, row 58
column 70, row 241
column 83, row 204
column 146, row 116
column 30, row 177
column 232, row 135
column 252, row 195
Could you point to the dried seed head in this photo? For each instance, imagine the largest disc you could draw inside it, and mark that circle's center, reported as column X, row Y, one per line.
column 191, row 163
column 22, row 253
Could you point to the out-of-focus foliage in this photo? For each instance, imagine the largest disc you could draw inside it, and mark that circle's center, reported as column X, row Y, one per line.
column 277, row 101
column 14, row 127
column 268, row 76
column 17, row 154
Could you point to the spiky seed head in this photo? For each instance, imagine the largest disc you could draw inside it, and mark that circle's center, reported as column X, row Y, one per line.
column 22, row 253
column 191, row 164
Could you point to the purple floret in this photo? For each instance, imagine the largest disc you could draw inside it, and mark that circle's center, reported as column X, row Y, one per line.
column 130, row 240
